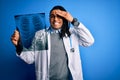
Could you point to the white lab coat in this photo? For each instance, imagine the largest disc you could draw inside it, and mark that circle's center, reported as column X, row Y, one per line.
column 79, row 36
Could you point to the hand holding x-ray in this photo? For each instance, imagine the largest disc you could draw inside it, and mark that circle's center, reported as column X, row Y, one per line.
column 27, row 25
column 15, row 37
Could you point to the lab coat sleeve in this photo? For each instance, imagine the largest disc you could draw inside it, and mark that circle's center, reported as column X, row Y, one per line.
column 84, row 36
column 27, row 55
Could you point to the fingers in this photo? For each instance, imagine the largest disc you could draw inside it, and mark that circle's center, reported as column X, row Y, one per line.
column 65, row 14
column 15, row 37
column 61, row 13
column 15, row 34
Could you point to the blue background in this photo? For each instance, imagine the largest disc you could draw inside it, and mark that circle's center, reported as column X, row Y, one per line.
column 101, row 17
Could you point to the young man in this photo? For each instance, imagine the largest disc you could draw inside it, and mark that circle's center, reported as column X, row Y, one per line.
column 60, row 59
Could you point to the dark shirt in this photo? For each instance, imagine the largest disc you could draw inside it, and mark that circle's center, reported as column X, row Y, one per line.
column 58, row 60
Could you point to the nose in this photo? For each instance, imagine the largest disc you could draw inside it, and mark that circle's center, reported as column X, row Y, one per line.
column 56, row 18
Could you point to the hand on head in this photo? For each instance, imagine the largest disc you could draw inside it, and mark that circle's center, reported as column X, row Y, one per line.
column 65, row 15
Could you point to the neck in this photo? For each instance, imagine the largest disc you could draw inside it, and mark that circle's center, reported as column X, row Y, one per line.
column 55, row 30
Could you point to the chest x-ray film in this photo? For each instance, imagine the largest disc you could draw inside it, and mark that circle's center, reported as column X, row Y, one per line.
column 27, row 25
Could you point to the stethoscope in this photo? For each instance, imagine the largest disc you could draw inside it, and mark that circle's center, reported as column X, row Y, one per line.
column 71, row 48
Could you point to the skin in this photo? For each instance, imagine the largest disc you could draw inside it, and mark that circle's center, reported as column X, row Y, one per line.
column 55, row 21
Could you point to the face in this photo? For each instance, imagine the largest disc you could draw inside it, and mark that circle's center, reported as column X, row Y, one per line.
column 55, row 20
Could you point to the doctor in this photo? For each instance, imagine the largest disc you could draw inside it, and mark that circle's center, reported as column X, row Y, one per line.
column 55, row 50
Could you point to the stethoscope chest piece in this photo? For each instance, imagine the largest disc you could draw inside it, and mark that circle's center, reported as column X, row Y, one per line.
column 72, row 50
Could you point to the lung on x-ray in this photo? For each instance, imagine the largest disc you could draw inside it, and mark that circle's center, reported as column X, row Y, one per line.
column 28, row 24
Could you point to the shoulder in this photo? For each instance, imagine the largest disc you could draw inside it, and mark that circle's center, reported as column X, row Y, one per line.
column 40, row 33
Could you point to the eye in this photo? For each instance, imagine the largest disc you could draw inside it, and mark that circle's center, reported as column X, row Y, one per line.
column 58, row 16
column 52, row 16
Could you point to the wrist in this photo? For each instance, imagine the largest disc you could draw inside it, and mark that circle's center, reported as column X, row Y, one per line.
column 19, row 47
column 75, row 22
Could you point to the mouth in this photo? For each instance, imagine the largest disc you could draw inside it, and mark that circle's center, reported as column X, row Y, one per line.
column 56, row 23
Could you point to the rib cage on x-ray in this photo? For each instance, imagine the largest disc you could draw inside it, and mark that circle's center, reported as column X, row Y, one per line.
column 28, row 24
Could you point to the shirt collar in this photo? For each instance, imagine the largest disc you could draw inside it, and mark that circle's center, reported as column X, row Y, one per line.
column 54, row 30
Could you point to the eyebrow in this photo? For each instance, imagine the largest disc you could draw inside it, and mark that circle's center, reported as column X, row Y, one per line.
column 55, row 15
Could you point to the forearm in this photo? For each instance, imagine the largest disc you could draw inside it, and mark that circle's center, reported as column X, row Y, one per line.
column 25, row 54
column 19, row 47
column 84, row 36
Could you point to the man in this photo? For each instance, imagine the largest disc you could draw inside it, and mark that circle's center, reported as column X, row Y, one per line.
column 60, row 59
